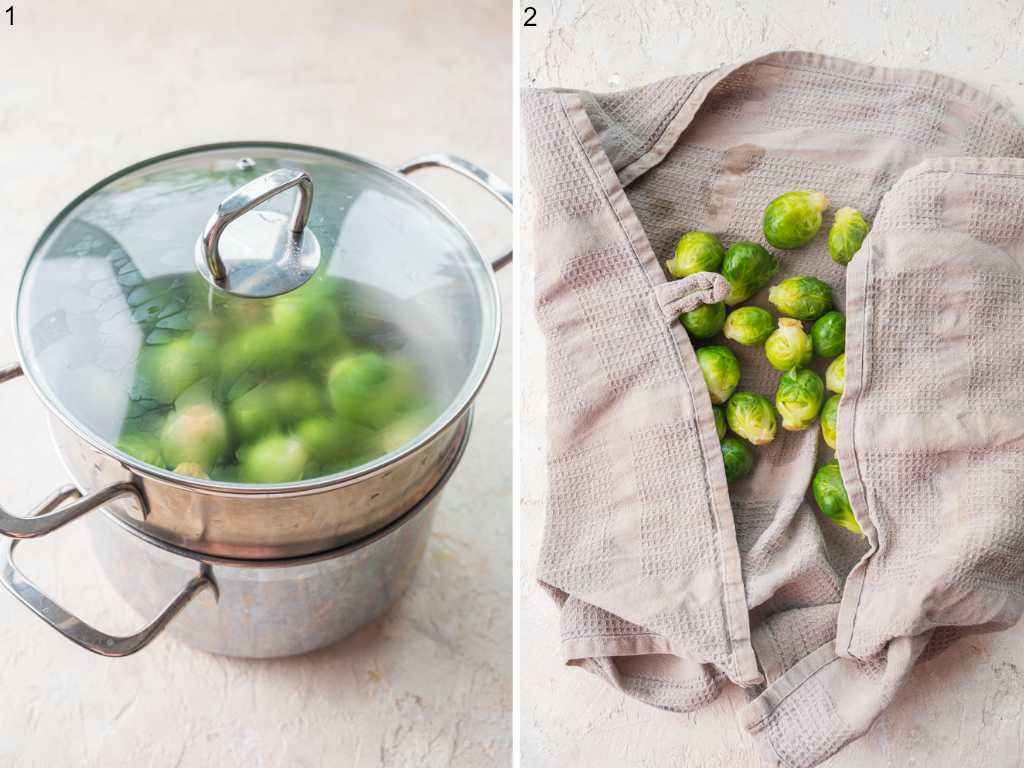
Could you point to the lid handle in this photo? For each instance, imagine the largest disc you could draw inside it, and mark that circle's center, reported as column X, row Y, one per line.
column 277, row 272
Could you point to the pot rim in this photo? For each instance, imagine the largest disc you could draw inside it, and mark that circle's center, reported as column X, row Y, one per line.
column 456, row 408
column 330, row 554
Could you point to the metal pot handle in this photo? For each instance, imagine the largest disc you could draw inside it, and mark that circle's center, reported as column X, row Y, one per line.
column 48, row 516
column 85, row 635
column 76, row 630
column 493, row 184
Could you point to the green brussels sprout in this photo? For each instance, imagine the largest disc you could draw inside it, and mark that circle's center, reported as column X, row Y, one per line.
column 704, row 321
column 254, row 414
column 167, row 370
column 719, row 415
column 804, row 298
column 273, row 459
column 752, row 417
column 798, row 398
column 330, row 439
column 737, row 457
column 793, row 219
column 295, row 398
column 749, row 326
column 191, row 469
column 721, row 371
column 308, row 317
column 835, row 375
column 846, row 235
column 789, row 345
column 696, row 252
column 829, row 416
column 369, row 389
column 401, row 432
column 197, row 434
column 143, row 446
column 748, row 267
column 830, row 493
column 263, row 347
column 828, row 334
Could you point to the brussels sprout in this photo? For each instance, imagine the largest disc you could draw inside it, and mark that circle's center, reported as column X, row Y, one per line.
column 330, row 439
column 295, row 398
column 191, row 469
column 369, row 389
column 847, row 234
column 751, row 416
column 789, row 345
column 308, row 318
column 829, row 415
column 829, row 334
column 835, row 375
column 793, row 219
column 263, row 347
column 748, row 267
column 721, row 371
column 798, row 398
column 273, row 459
column 403, row 431
column 197, row 434
column 804, row 298
column 738, row 459
column 696, row 252
column 749, row 326
column 830, row 493
column 142, row 446
column 719, row 415
column 705, row 321
column 169, row 369
column 254, row 414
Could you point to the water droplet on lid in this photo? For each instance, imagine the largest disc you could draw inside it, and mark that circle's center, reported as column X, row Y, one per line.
column 245, row 163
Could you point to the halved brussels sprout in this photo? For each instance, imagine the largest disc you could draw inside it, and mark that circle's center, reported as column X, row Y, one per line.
column 738, row 459
column 835, row 375
column 830, row 493
column 749, row 326
column 748, row 267
column 197, row 434
column 705, row 321
column 793, row 219
column 696, row 252
column 273, row 459
column 804, row 298
column 829, row 416
column 143, row 446
column 721, row 371
column 846, row 235
column 829, row 334
column 789, row 345
column 167, row 370
column 751, row 416
column 798, row 398
column 719, row 420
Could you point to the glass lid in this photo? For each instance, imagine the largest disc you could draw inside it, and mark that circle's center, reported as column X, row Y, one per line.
column 127, row 329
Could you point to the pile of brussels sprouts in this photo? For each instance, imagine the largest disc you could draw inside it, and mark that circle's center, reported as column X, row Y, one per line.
column 790, row 221
column 271, row 391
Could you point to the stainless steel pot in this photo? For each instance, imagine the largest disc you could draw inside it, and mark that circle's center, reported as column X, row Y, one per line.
column 231, row 519
column 246, row 608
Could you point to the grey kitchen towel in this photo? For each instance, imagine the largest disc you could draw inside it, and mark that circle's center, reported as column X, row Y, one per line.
column 669, row 581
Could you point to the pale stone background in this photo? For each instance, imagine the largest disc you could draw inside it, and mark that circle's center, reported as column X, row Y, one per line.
column 965, row 708
column 89, row 87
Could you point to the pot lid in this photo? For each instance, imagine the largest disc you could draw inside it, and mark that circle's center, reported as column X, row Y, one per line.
column 256, row 313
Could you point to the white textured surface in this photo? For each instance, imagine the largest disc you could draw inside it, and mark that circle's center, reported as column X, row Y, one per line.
column 91, row 87
column 961, row 710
